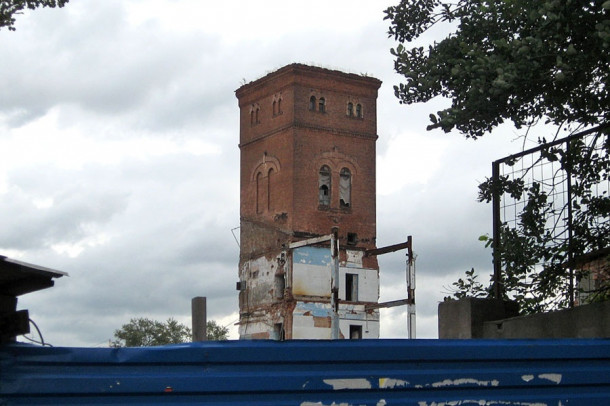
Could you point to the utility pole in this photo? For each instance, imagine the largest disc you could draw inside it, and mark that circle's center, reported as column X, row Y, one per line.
column 199, row 318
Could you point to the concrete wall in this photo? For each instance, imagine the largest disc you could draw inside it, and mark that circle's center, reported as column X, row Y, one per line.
column 488, row 318
column 587, row 321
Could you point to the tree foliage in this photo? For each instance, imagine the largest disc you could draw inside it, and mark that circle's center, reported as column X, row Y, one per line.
column 143, row 332
column 216, row 332
column 516, row 60
column 9, row 8
column 468, row 287
column 525, row 62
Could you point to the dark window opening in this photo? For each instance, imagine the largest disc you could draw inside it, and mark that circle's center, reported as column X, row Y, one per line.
column 345, row 188
column 350, row 109
column 352, row 238
column 256, row 115
column 270, row 178
column 312, row 103
column 359, row 111
column 322, row 105
column 279, row 106
column 251, row 117
column 280, row 285
column 278, row 331
column 274, row 108
column 259, row 192
column 324, row 186
column 355, row 332
column 351, row 287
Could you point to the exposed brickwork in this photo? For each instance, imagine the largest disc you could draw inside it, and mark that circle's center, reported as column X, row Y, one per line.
column 284, row 142
column 294, row 143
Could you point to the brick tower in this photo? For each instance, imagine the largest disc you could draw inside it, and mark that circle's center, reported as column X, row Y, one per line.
column 307, row 142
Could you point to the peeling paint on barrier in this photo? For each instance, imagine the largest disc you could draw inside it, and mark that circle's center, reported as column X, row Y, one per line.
column 551, row 377
column 324, row 404
column 482, row 402
column 390, row 383
column 348, row 383
column 381, row 402
column 464, row 381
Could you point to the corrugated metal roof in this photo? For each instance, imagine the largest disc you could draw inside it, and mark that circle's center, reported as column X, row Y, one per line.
column 308, row 373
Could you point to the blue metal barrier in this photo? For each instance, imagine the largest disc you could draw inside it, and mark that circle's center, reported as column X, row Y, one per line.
column 313, row 373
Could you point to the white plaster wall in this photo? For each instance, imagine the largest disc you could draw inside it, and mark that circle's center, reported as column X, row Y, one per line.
column 368, row 283
column 303, row 328
column 247, row 330
column 314, row 280
column 370, row 328
column 310, row 280
column 260, row 276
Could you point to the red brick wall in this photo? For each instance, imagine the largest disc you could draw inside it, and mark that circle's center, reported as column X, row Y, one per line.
column 295, row 144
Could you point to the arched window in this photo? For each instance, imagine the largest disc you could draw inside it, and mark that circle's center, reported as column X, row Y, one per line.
column 251, row 117
column 345, row 188
column 259, row 192
column 322, row 105
column 270, row 187
column 324, row 186
column 312, row 103
column 279, row 106
column 256, row 115
column 274, row 108
column 359, row 111
column 350, row 109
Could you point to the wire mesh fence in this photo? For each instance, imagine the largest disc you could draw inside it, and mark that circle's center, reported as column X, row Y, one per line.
column 551, row 230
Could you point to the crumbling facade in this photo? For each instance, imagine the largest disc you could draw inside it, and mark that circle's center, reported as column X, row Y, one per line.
column 307, row 143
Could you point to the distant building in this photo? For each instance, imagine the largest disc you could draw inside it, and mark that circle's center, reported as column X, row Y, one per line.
column 307, row 142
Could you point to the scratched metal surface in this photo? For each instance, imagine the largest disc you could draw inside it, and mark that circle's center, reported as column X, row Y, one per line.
column 313, row 373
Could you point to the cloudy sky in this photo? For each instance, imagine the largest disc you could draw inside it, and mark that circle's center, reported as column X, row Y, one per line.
column 119, row 142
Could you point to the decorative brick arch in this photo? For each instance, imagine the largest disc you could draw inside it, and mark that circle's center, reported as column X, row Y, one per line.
column 337, row 160
column 263, row 165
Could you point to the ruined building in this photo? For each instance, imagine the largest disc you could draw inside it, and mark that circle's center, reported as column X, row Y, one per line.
column 307, row 141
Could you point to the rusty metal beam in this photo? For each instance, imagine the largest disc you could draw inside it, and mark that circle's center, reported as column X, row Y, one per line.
column 388, row 249
column 392, row 303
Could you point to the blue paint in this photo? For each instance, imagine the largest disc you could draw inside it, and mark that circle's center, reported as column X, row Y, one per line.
column 314, row 308
column 352, row 372
column 312, row 256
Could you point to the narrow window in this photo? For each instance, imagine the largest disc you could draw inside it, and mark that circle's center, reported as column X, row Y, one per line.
column 256, row 115
column 312, row 103
column 280, row 285
column 350, row 109
column 322, row 105
column 345, row 188
column 270, row 177
column 355, row 332
column 279, row 106
column 278, row 331
column 324, row 186
column 259, row 192
column 351, row 287
column 251, row 117
column 274, row 108
column 358, row 110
